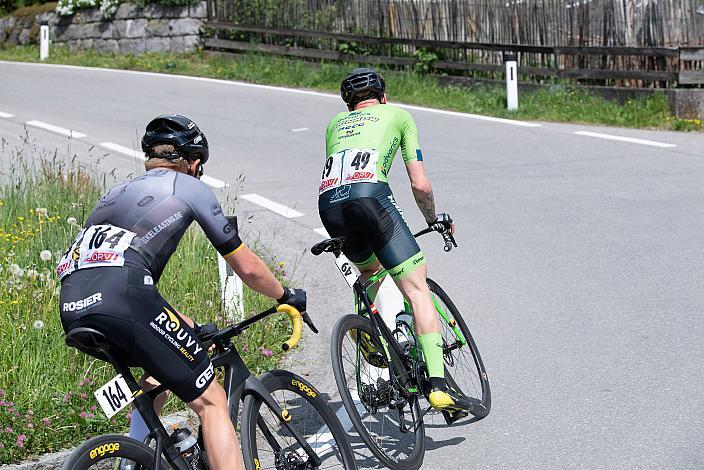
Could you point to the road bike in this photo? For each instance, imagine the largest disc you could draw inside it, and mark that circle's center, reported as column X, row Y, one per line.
column 381, row 375
column 286, row 423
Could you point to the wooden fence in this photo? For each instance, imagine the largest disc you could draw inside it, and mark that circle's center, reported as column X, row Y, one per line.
column 605, row 65
column 654, row 23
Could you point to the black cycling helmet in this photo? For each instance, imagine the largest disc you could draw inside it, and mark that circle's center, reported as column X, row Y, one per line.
column 359, row 81
column 179, row 131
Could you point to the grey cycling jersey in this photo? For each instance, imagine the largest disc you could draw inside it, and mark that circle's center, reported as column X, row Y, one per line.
column 158, row 207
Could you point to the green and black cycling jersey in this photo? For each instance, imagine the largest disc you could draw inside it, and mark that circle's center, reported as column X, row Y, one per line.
column 355, row 199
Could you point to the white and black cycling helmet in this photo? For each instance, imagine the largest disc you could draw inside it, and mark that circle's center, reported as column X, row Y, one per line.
column 173, row 129
column 362, row 84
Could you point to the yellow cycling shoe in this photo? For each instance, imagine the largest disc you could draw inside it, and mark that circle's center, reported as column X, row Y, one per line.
column 369, row 352
column 448, row 400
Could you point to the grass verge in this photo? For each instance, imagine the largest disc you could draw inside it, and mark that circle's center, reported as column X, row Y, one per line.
column 46, row 388
column 560, row 103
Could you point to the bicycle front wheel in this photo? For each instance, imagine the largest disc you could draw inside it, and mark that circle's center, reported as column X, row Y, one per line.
column 464, row 368
column 109, row 452
column 388, row 421
column 267, row 442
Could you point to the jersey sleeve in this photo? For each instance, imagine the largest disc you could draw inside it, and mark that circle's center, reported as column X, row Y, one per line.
column 208, row 213
column 409, row 138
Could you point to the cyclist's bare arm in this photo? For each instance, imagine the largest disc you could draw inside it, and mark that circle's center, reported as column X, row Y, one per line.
column 255, row 273
column 422, row 190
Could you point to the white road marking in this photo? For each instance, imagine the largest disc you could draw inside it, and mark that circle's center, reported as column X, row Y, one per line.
column 470, row 116
column 139, row 155
column 274, row 88
column 280, row 209
column 56, row 129
column 213, row 182
column 299, row 129
column 632, row 140
column 322, row 232
column 6, row 115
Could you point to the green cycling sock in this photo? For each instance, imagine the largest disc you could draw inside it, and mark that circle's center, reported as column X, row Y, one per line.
column 431, row 345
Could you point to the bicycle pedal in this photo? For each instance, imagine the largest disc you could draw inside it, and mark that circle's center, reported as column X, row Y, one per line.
column 451, row 418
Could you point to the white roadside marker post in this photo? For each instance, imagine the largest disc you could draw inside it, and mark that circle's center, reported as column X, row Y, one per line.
column 511, row 59
column 43, row 41
column 231, row 287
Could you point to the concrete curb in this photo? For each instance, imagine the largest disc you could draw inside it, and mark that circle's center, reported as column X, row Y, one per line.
column 54, row 460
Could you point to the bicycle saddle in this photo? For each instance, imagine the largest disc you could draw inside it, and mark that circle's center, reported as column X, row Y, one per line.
column 89, row 341
column 331, row 245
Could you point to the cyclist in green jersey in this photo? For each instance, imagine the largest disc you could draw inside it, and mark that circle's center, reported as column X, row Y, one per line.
column 355, row 201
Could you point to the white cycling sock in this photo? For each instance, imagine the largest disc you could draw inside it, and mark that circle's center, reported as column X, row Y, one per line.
column 138, row 428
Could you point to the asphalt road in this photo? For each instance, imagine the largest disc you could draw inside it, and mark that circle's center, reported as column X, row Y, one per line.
column 579, row 264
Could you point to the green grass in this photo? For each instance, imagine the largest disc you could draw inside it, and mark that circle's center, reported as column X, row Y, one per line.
column 45, row 387
column 559, row 103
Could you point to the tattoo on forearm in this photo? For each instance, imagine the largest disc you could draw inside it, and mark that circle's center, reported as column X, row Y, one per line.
column 426, row 204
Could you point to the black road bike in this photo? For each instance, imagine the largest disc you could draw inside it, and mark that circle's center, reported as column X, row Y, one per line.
column 381, row 375
column 286, row 423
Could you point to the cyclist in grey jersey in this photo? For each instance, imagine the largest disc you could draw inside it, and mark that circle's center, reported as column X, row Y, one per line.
column 159, row 206
column 109, row 283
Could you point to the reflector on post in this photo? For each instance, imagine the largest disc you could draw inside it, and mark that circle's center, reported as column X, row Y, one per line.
column 511, row 60
column 44, row 41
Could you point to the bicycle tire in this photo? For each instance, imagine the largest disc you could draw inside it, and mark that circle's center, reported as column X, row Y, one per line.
column 101, row 452
column 413, row 448
column 318, row 418
column 479, row 388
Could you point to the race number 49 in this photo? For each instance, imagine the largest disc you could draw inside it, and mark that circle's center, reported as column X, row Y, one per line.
column 114, row 396
column 346, row 268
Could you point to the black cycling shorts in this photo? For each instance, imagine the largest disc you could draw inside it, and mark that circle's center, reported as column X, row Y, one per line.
column 367, row 215
column 123, row 304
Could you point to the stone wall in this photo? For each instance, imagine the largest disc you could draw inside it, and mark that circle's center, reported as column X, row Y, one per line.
column 154, row 28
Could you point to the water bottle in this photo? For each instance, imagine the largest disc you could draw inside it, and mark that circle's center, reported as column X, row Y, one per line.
column 404, row 331
column 187, row 444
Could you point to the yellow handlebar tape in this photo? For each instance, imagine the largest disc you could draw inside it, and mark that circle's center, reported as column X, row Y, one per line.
column 297, row 321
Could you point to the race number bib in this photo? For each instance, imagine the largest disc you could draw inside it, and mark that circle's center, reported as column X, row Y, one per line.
column 114, row 396
column 98, row 245
column 348, row 167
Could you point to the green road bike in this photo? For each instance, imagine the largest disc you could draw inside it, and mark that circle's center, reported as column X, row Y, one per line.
column 381, row 375
column 286, row 423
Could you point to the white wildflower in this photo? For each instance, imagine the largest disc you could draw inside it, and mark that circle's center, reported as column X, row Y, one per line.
column 32, row 273
column 71, row 221
column 16, row 270
column 45, row 255
column 108, row 8
column 38, row 324
column 41, row 211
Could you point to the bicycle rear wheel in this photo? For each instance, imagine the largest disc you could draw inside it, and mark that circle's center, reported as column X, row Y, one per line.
column 107, row 451
column 268, row 444
column 368, row 394
column 464, row 368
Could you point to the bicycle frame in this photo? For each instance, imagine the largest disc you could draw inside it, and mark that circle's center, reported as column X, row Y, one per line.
column 238, row 383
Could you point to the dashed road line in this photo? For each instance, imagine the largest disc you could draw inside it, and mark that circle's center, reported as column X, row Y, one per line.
column 139, row 155
column 213, row 182
column 6, row 115
column 632, row 140
column 280, row 209
column 55, row 129
column 300, row 129
column 322, row 232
